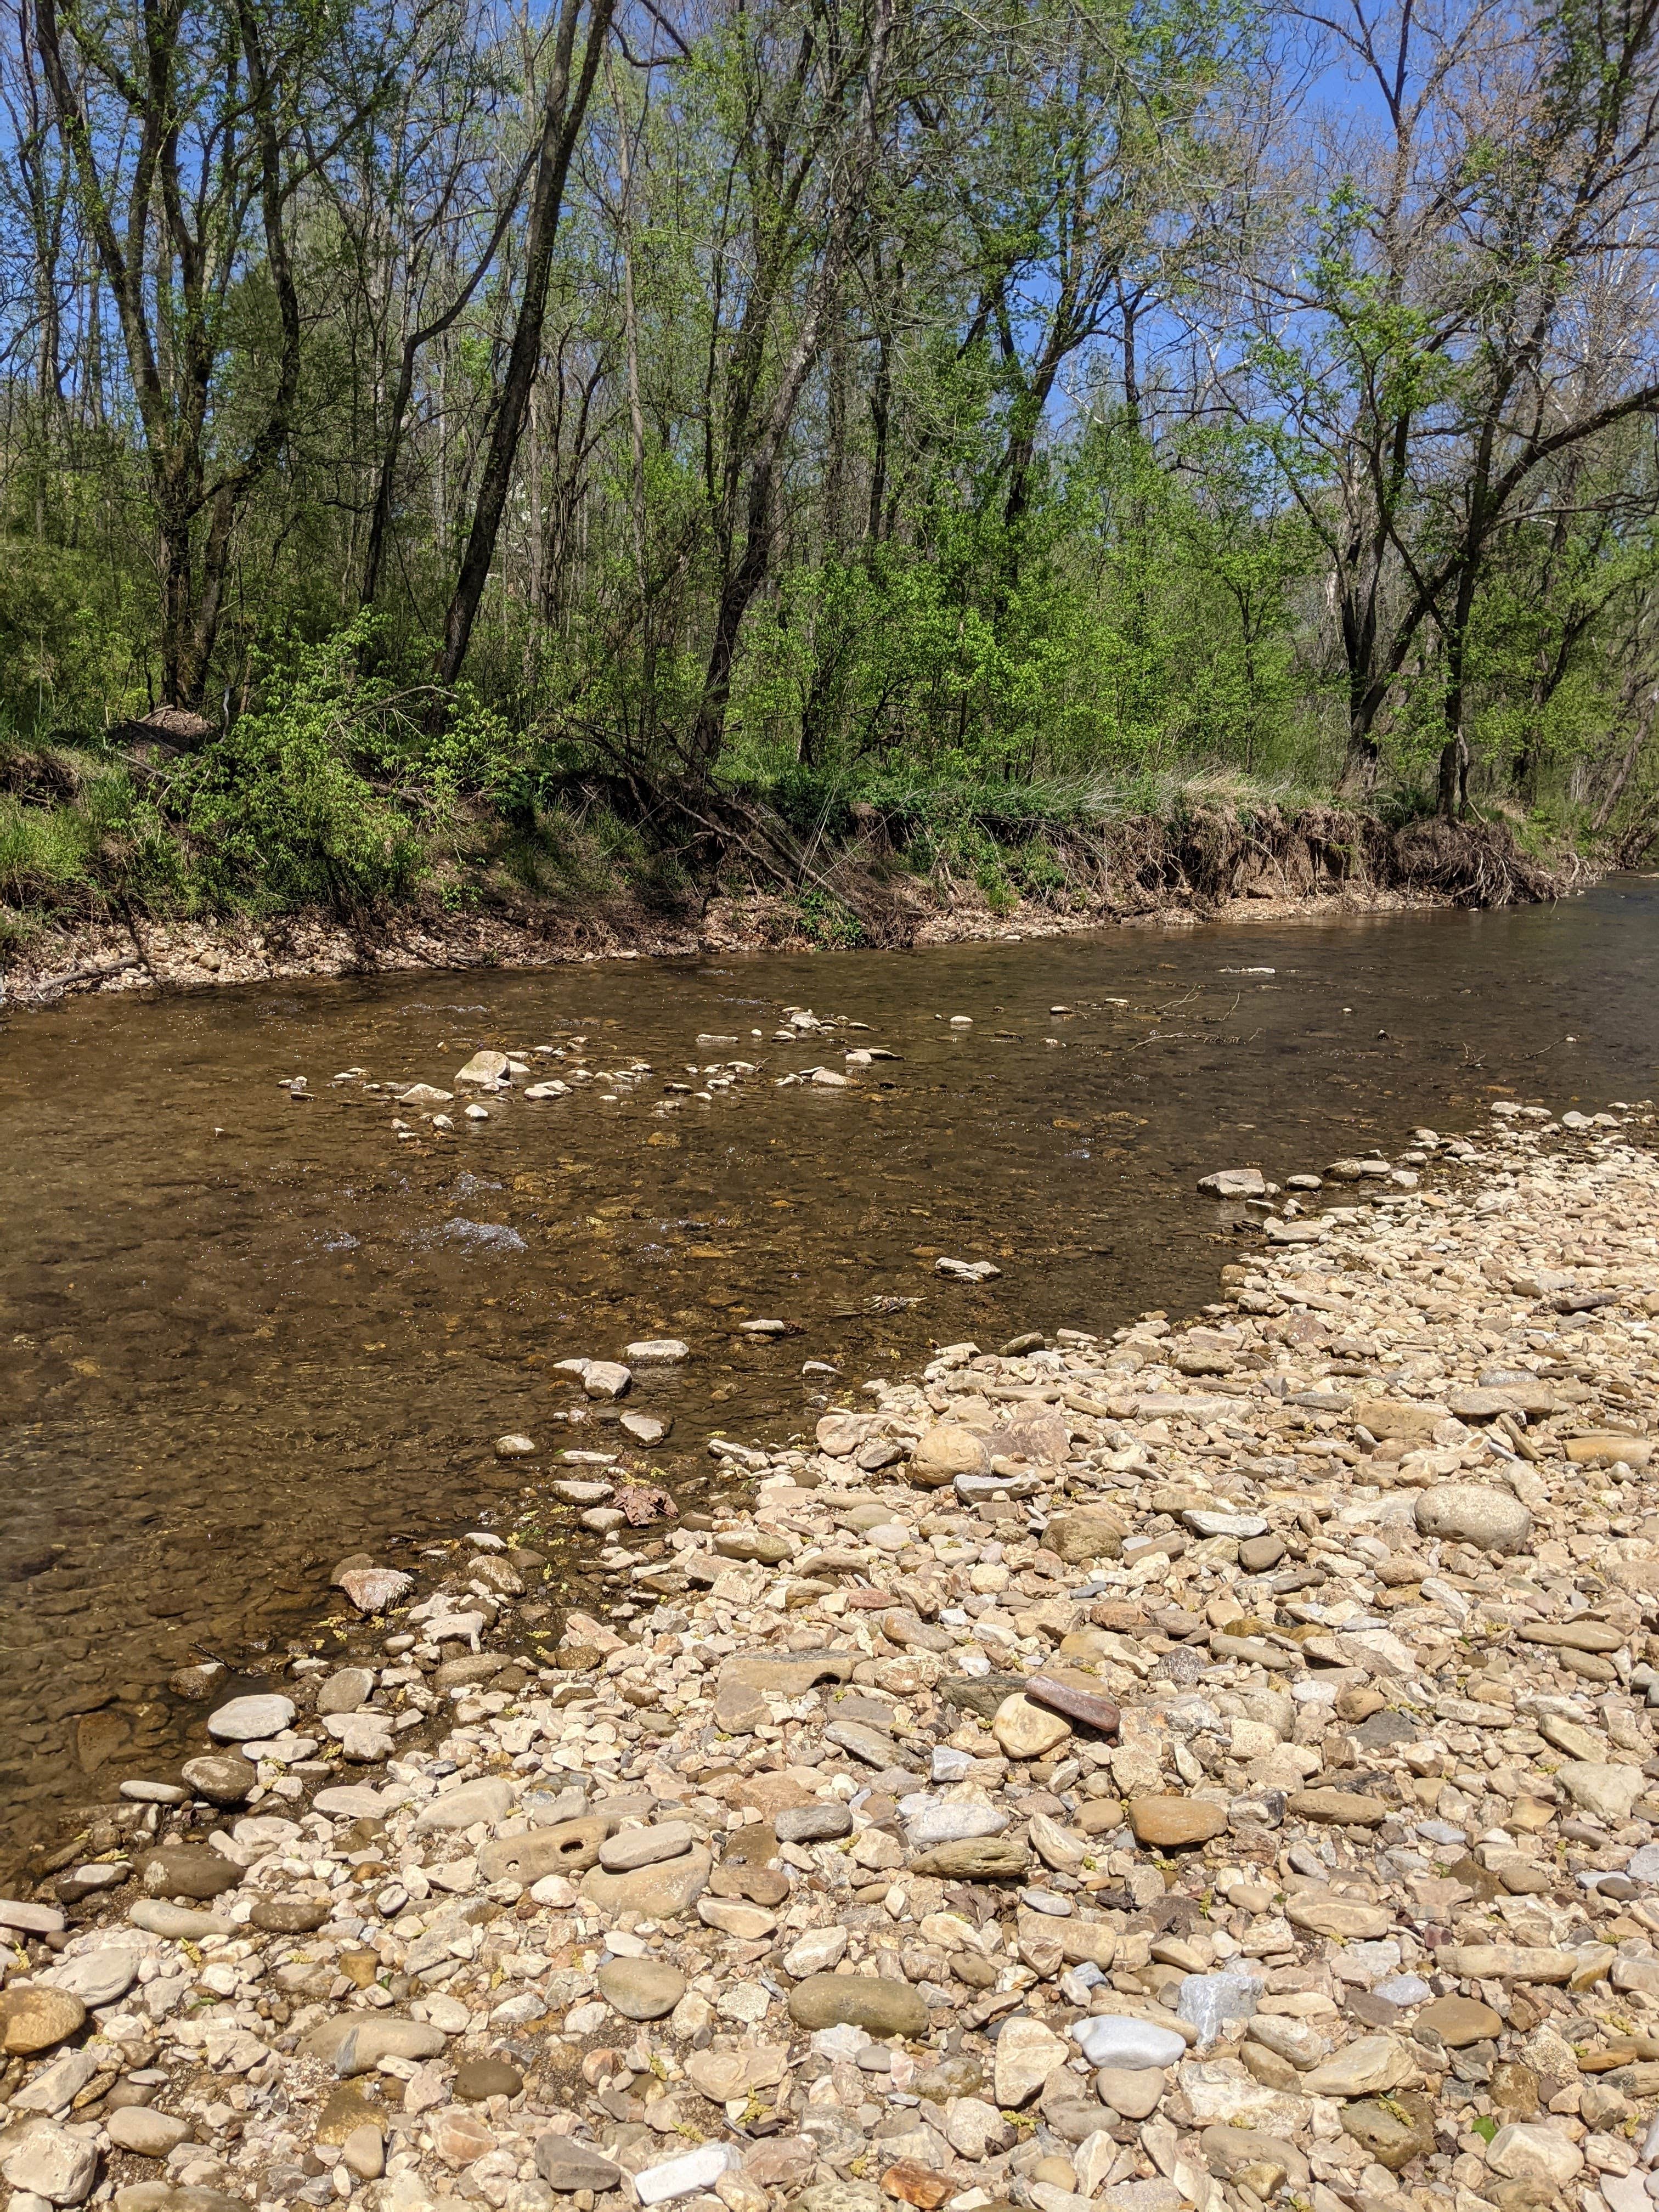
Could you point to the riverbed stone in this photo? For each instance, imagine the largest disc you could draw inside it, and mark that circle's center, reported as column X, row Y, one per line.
column 193, row 1870
column 247, row 1720
column 465, row 1805
column 1133, row 2092
column 1027, row 2053
column 1176, row 1823
column 945, row 1451
column 223, row 1778
column 34, row 2017
column 881, row 2008
column 1472, row 1513
column 641, row 1989
column 148, row 2134
column 1127, row 2042
column 1026, row 1730
column 660, row 1891
column 1080, row 1537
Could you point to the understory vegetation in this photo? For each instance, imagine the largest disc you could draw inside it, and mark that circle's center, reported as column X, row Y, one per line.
column 469, row 456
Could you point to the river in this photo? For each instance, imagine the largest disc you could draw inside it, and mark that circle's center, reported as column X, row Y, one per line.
column 245, row 1335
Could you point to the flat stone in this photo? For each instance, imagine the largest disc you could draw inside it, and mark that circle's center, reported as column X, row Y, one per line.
column 754, row 1546
column 1459, row 2021
column 642, row 1847
column 872, row 1745
column 1026, row 1730
column 1349, row 1808
column 1325, row 1913
column 659, row 1892
column 568, row 1847
column 1027, row 2053
column 1134, row 2092
column 290, row 1916
column 974, row 1858
column 688, row 2175
column 880, row 2008
column 1121, row 2040
column 177, row 1921
column 1234, row 1182
column 142, row 2129
column 188, row 1870
column 1535, row 2152
column 813, row 1824
column 567, row 2165
column 56, row 2086
column 1472, row 1513
column 657, row 1352
column 1606, row 1793
column 1392, row 1417
column 223, row 1778
column 1082, row 1708
column 356, row 2043
column 344, row 1690
column 34, row 2018
column 1508, row 1962
column 790, row 1673
column 1176, row 1823
column 641, row 1989
column 951, row 1820
column 1572, row 1636
column 97, row 1977
column 463, row 1807
column 1368, row 2068
column 747, row 1923
column 1203, row 1521
column 30, row 1919
column 50, row 2162
column 246, row 1720
column 163, row 2197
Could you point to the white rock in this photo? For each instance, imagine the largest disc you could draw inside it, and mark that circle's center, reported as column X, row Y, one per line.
column 1027, row 2053
column 694, row 2170
column 244, row 1720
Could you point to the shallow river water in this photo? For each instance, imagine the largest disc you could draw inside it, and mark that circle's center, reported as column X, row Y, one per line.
column 243, row 1335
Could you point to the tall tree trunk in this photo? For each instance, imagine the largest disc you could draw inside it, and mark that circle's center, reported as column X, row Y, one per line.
column 563, row 110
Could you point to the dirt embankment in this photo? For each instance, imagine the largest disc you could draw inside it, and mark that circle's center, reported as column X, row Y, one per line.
column 762, row 890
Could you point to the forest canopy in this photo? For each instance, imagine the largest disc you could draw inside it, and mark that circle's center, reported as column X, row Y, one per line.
column 441, row 399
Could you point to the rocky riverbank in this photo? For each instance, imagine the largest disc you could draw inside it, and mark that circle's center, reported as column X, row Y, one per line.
column 1199, row 1766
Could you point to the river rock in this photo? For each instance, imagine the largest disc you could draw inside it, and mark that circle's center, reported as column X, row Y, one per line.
column 372, row 1589
column 1472, row 1513
column 1394, row 2129
column 641, row 1989
column 223, row 1778
column 188, row 1870
column 976, row 1858
column 248, row 1720
column 880, row 2008
column 566, row 2165
column 661, row 1891
column 1533, row 2151
column 568, row 1847
column 1121, row 2040
column 55, row 2163
column 1337, row 1808
column 147, row 2133
column 485, row 1068
column 945, row 1452
column 1459, row 2021
column 356, row 2043
column 98, row 1977
column 688, row 2175
column 813, row 1824
column 464, row 1806
column 1028, row 1731
column 1324, row 1913
column 606, row 1378
column 642, row 1847
column 950, row 1820
column 176, row 1921
column 478, row 2079
column 1176, row 1823
column 344, row 1690
column 1368, row 2068
column 1234, row 1182
column 1027, row 2053
column 30, row 1919
column 1606, row 1793
column 1133, row 2092
column 34, row 2017
column 657, row 1352
column 1080, row 1537
column 290, row 1916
